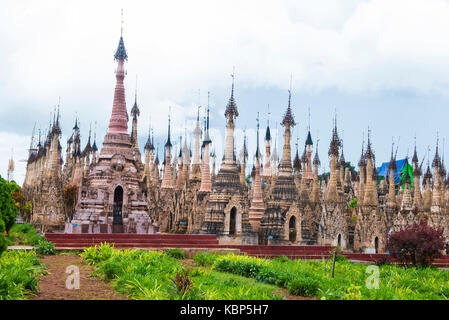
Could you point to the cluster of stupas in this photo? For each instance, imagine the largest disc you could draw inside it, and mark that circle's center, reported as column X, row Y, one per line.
column 113, row 190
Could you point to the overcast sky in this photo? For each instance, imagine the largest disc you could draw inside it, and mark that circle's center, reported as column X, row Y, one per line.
column 382, row 64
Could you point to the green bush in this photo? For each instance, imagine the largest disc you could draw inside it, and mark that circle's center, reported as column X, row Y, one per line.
column 246, row 269
column 205, row 259
column 340, row 258
column 303, row 286
column 24, row 234
column 45, row 247
column 19, row 272
column 110, row 270
column 353, row 203
column 98, row 253
column 267, row 275
column 8, row 211
column 3, row 244
column 175, row 253
column 281, row 259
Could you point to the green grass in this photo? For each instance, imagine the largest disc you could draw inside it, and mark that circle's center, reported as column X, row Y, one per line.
column 146, row 275
column 26, row 234
column 23, row 234
column 19, row 274
column 307, row 278
column 175, row 253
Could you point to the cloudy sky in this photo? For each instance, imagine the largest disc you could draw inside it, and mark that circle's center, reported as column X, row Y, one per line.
column 382, row 64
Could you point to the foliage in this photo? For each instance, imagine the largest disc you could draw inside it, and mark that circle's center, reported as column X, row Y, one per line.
column 98, row 253
column 70, row 194
column 353, row 203
column 204, row 259
column 45, row 247
column 152, row 275
column 418, row 244
column 3, row 240
column 24, row 234
column 247, row 268
column 382, row 262
column 175, row 253
column 8, row 211
column 183, row 287
column 281, row 259
column 340, row 258
column 352, row 293
column 303, row 286
column 307, row 277
column 19, row 272
column 23, row 206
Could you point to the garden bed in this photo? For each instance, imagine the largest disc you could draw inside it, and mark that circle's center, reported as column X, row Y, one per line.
column 151, row 275
column 19, row 274
column 308, row 278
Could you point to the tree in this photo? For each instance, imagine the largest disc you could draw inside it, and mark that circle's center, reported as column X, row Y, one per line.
column 418, row 244
column 23, row 206
column 8, row 211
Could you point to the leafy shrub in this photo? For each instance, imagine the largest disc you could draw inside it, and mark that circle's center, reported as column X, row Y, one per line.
column 281, row 259
column 8, row 211
column 19, row 272
column 341, row 258
column 98, row 253
column 3, row 242
column 8, row 208
column 283, row 278
column 246, row 269
column 303, row 286
column 182, row 283
column 231, row 283
column 23, row 207
column 353, row 293
column 45, row 247
column 418, row 244
column 267, row 275
column 110, row 270
column 382, row 261
column 24, row 234
column 353, row 203
column 175, row 253
column 205, row 259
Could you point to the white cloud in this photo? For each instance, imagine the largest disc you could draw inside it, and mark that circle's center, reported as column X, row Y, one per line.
column 56, row 48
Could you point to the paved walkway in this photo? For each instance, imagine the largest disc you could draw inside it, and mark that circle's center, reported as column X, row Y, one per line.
column 20, row 247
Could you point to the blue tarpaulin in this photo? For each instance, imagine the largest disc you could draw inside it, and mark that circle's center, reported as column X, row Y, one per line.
column 400, row 164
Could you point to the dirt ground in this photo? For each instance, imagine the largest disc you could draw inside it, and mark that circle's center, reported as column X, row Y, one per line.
column 52, row 286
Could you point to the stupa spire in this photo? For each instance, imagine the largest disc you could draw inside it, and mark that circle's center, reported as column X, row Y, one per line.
column 231, row 113
column 206, row 183
column 167, row 178
column 267, row 167
column 118, row 123
column 257, row 133
column 288, row 122
column 257, row 205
